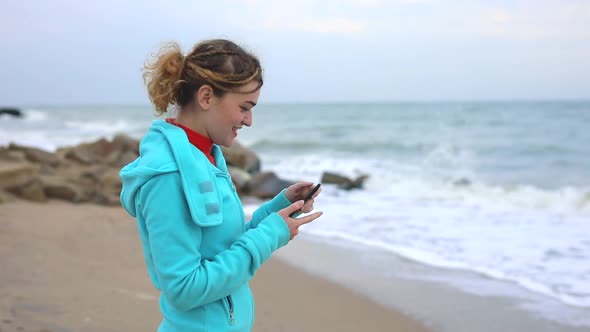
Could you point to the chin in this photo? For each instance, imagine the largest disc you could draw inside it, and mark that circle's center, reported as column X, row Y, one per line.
column 228, row 143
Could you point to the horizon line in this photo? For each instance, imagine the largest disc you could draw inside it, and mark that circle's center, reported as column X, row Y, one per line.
column 326, row 102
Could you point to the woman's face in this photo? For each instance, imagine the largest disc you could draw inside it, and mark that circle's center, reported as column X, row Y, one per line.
column 230, row 113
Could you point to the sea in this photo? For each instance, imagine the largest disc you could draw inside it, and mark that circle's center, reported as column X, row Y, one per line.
column 500, row 189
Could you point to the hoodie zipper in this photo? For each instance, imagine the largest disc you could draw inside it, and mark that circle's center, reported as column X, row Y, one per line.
column 230, row 304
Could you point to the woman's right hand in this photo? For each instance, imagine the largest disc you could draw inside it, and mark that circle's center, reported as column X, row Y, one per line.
column 295, row 223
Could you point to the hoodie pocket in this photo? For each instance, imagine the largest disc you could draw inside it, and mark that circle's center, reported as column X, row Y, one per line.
column 229, row 306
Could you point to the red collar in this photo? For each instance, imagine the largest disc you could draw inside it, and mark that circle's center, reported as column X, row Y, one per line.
column 204, row 144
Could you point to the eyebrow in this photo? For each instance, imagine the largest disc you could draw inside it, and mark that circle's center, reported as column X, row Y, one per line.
column 251, row 103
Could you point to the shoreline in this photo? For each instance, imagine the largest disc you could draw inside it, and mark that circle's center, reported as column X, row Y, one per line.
column 444, row 300
column 80, row 268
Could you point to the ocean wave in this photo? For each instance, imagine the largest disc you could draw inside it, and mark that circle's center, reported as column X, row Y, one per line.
column 35, row 115
column 433, row 259
column 390, row 179
column 383, row 147
column 103, row 127
column 565, row 200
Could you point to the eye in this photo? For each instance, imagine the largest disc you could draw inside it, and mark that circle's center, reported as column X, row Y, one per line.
column 244, row 109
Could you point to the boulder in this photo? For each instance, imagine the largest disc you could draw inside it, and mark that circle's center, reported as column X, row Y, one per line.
column 241, row 157
column 59, row 188
column 127, row 143
column 343, row 182
column 15, row 174
column 240, row 178
column 10, row 111
column 7, row 154
column 266, row 185
column 107, row 199
column 31, row 191
column 110, row 182
column 122, row 159
column 36, row 155
column 462, row 182
column 95, row 152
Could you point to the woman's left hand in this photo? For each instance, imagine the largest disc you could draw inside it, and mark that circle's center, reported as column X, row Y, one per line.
column 299, row 191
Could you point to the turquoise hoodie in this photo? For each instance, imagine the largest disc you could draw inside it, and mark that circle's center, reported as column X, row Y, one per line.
column 200, row 253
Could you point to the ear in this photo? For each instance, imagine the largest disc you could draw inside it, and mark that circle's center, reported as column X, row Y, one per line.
column 204, row 96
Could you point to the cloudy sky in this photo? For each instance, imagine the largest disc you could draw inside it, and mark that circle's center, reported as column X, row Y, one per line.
column 77, row 52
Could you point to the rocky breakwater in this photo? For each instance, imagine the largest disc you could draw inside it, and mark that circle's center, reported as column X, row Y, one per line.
column 89, row 172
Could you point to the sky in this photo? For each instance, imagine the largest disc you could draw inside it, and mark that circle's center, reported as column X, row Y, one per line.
column 63, row 52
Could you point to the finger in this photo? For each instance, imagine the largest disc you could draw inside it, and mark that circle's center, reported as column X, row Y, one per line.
column 303, row 185
column 309, row 218
column 304, row 188
column 294, row 207
column 308, row 206
column 317, row 193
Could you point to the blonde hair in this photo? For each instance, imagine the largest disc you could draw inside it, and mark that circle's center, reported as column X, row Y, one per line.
column 172, row 78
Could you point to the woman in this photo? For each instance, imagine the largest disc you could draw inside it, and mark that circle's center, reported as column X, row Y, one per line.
column 199, row 251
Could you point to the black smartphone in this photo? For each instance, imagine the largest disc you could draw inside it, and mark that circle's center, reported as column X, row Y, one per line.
column 313, row 191
column 308, row 197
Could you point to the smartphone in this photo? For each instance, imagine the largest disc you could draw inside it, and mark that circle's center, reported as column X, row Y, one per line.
column 308, row 197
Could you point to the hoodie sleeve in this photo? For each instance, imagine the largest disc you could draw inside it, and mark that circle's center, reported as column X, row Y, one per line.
column 278, row 203
column 184, row 276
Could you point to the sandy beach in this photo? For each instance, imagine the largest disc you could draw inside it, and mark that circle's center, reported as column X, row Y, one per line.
column 80, row 268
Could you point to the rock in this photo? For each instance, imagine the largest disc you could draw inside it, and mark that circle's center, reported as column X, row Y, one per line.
column 358, row 182
column 21, row 180
column 462, row 182
column 77, row 154
column 46, row 170
column 59, row 188
column 120, row 160
column 15, row 174
column 89, row 172
column 31, row 191
column 127, row 143
column 125, row 150
column 86, row 178
column 117, row 153
column 85, row 174
column 107, row 199
column 241, row 157
column 343, row 182
column 91, row 153
column 266, row 185
column 36, row 155
column 110, row 182
column 15, row 112
column 240, row 178
column 6, row 197
column 7, row 154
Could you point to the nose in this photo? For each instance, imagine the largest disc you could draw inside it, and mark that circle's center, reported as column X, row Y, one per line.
column 248, row 119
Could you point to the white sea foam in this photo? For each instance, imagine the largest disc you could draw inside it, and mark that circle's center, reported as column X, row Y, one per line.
column 542, row 252
column 389, row 178
column 34, row 115
column 103, row 127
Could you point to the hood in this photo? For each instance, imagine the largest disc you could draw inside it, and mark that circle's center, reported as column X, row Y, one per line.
column 166, row 149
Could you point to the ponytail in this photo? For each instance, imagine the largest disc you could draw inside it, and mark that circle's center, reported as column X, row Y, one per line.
column 161, row 74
